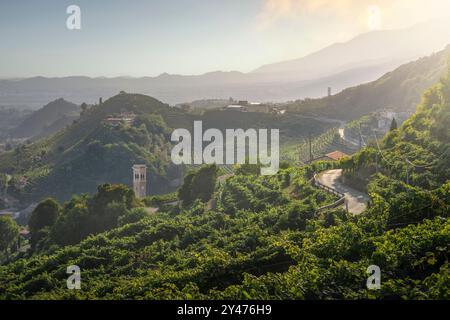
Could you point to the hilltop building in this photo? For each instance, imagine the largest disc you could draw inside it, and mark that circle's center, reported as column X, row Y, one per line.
column 140, row 180
column 245, row 106
column 124, row 117
column 258, row 107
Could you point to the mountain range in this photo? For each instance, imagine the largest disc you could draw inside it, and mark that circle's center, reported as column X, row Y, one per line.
column 399, row 90
column 362, row 59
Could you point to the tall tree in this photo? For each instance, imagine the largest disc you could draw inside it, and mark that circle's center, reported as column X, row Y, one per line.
column 43, row 216
column 199, row 185
column 9, row 234
column 394, row 125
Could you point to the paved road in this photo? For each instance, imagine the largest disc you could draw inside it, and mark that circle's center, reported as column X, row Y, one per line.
column 347, row 138
column 357, row 201
column 341, row 131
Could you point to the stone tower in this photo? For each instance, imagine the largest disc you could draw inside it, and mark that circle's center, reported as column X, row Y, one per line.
column 140, row 180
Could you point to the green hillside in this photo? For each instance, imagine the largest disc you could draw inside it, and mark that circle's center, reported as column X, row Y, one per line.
column 399, row 90
column 91, row 152
column 265, row 239
column 418, row 152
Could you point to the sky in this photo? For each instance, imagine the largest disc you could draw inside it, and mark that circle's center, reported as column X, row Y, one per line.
column 148, row 37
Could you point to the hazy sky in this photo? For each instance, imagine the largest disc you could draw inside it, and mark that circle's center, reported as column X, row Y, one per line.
column 148, row 37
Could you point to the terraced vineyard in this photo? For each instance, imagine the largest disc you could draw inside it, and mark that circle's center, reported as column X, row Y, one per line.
column 328, row 142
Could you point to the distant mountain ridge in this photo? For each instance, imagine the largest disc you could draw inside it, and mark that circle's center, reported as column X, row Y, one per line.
column 399, row 90
column 362, row 59
column 368, row 49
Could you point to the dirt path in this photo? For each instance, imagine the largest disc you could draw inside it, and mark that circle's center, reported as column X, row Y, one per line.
column 356, row 200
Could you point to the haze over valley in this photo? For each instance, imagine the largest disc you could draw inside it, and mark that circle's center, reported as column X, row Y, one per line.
column 362, row 59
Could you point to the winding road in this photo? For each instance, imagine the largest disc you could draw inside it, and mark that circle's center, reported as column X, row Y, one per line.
column 356, row 200
column 341, row 130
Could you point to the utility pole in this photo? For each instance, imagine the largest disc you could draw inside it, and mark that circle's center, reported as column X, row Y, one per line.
column 376, row 162
column 360, row 137
column 310, row 149
column 407, row 171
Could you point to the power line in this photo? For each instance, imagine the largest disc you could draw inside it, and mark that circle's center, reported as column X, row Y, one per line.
column 430, row 164
column 424, row 166
column 361, row 141
column 381, row 152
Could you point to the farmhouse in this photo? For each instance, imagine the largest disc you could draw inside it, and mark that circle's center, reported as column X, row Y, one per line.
column 124, row 117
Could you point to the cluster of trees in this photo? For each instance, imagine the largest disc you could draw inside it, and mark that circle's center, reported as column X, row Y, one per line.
column 54, row 225
column 9, row 236
column 198, row 185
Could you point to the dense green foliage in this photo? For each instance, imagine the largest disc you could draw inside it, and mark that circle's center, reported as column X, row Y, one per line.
column 265, row 238
column 364, row 125
column 9, row 234
column 198, row 185
column 419, row 151
column 43, row 216
column 53, row 225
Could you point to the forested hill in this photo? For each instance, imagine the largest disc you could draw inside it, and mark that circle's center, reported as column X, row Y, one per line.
column 399, row 90
column 265, row 238
column 47, row 120
column 93, row 151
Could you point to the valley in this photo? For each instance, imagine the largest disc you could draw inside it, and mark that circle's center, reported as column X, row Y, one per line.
column 89, row 147
column 294, row 181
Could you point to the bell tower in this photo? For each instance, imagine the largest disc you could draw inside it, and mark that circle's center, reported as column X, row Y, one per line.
column 140, row 180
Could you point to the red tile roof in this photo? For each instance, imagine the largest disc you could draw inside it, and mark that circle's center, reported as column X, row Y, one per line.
column 336, row 155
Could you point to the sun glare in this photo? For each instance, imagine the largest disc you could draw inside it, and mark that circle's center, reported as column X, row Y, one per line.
column 374, row 21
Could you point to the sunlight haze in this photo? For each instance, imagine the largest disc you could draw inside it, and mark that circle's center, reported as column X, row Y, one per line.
column 208, row 35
